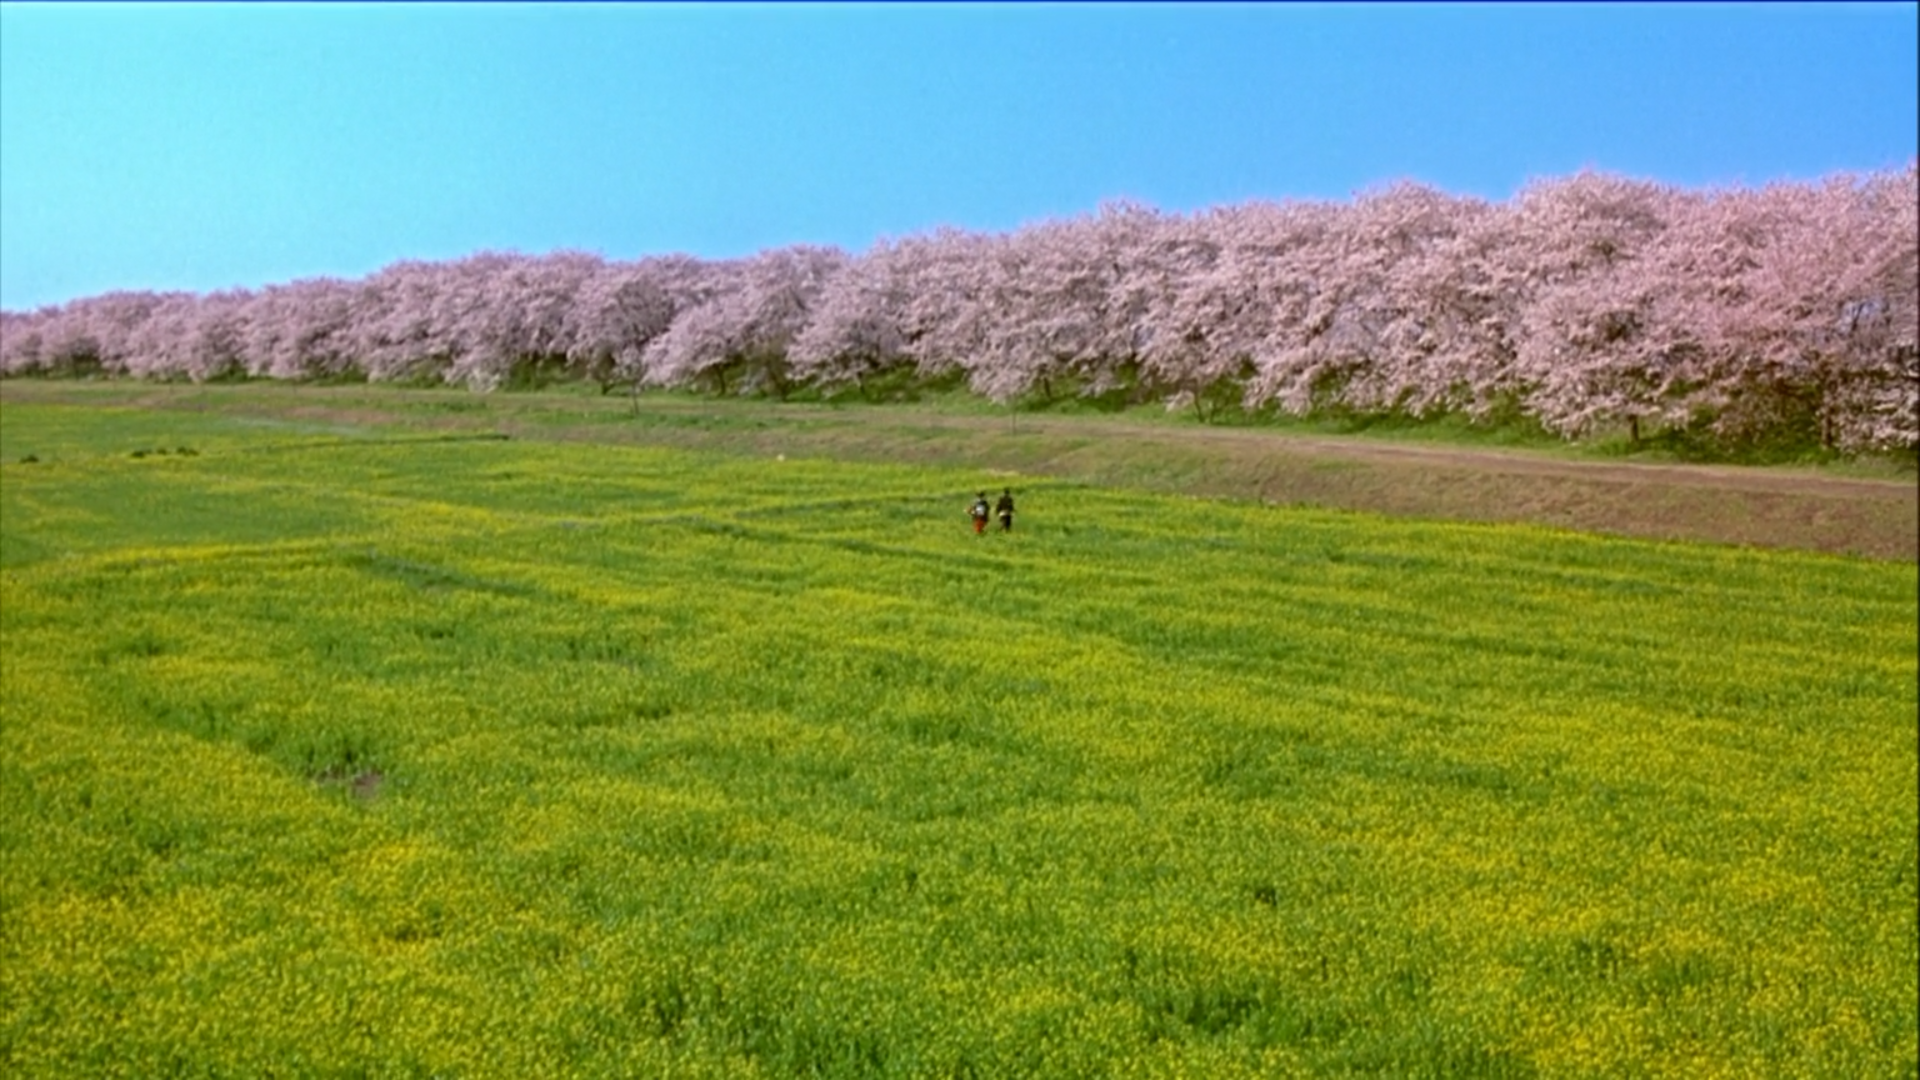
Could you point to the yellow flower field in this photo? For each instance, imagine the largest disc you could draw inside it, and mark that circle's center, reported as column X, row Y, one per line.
column 323, row 755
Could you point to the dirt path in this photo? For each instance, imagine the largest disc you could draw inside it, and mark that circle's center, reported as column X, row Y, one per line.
column 1767, row 507
column 1239, row 441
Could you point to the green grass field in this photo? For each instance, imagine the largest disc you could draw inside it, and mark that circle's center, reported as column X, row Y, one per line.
column 370, row 750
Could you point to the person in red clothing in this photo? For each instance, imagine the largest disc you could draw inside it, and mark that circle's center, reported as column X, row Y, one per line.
column 978, row 512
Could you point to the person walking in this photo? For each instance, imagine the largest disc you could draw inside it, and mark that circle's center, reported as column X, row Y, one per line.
column 1004, row 510
column 978, row 512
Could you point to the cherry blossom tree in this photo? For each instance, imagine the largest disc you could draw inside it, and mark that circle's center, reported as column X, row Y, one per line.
column 1887, row 413
column 509, row 316
column 68, row 344
column 23, row 341
column 858, row 330
column 621, row 309
column 1813, row 331
column 300, row 330
column 1354, row 324
column 1587, row 349
column 948, row 315
column 1208, row 291
column 740, row 337
column 1055, row 312
column 89, row 335
column 467, row 322
column 189, row 336
column 394, row 332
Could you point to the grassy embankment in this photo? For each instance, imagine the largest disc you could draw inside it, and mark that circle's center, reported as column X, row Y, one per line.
column 1446, row 469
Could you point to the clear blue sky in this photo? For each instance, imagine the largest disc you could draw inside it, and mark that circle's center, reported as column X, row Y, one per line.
column 161, row 146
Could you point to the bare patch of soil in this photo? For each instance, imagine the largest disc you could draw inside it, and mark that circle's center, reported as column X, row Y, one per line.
column 363, row 786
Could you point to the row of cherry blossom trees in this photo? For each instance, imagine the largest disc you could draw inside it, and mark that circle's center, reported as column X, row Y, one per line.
column 1591, row 303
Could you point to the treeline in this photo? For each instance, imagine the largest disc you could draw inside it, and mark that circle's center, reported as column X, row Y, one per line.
column 1589, row 303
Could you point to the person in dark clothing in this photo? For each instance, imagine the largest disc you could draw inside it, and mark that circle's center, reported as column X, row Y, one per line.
column 978, row 512
column 1004, row 510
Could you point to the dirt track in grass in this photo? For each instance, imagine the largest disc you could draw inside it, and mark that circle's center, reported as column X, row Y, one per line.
column 1767, row 507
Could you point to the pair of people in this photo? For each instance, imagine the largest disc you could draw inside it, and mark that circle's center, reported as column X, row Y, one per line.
column 1002, row 510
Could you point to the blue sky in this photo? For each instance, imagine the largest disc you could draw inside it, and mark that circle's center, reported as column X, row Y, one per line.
column 162, row 146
